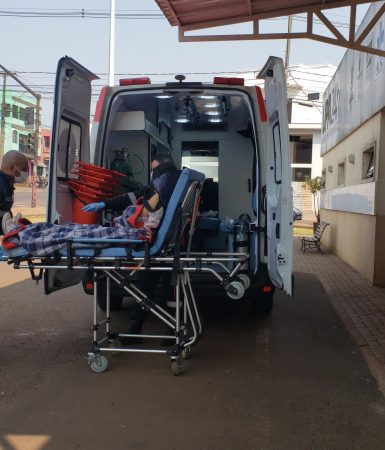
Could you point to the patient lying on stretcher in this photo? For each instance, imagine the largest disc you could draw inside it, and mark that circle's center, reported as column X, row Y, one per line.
column 137, row 221
column 40, row 239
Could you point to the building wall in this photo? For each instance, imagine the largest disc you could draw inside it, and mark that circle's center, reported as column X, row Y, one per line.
column 350, row 236
column 17, row 122
column 356, row 208
column 365, row 137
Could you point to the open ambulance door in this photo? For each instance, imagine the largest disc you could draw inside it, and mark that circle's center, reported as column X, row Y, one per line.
column 279, row 202
column 70, row 143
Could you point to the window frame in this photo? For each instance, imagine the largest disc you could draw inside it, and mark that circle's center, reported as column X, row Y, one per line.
column 341, row 163
column 368, row 162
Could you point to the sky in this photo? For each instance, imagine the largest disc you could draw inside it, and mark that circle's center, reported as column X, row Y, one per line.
column 144, row 46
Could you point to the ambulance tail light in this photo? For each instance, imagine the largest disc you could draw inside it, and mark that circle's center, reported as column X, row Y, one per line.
column 132, row 81
column 99, row 104
column 232, row 81
column 261, row 104
column 267, row 289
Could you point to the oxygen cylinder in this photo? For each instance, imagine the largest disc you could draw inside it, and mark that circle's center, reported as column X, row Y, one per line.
column 121, row 162
column 241, row 239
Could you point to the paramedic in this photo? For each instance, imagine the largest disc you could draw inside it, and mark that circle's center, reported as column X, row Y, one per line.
column 164, row 176
column 12, row 166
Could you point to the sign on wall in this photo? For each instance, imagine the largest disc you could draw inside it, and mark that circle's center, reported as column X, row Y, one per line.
column 356, row 91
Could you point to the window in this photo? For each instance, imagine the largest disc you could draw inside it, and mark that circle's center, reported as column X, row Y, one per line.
column 68, row 147
column 323, row 178
column 14, row 137
column 302, row 149
column 23, row 144
column 277, row 154
column 46, row 141
column 341, row 174
column 301, row 173
column 201, row 156
column 21, row 113
column 368, row 164
column 15, row 111
column 29, row 116
column 7, row 110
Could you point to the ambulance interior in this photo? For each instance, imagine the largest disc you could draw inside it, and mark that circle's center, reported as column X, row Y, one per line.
column 210, row 131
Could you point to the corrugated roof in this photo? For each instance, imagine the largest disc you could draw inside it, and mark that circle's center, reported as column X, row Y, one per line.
column 192, row 15
column 195, row 12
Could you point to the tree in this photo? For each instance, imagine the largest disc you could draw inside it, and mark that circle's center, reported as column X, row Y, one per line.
column 314, row 185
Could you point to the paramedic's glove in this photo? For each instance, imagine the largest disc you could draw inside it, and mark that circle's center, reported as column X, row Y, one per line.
column 94, row 207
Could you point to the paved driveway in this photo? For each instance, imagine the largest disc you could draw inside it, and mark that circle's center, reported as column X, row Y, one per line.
column 295, row 380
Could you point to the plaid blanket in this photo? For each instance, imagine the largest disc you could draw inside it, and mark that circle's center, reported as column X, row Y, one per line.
column 44, row 238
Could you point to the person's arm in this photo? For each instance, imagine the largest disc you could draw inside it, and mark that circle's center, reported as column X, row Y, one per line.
column 118, row 203
column 152, row 203
column 121, row 202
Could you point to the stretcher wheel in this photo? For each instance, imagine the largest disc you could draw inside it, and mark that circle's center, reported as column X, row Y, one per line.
column 99, row 363
column 176, row 366
column 236, row 290
column 245, row 279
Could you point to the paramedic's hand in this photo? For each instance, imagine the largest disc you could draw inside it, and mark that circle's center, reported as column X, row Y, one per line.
column 94, row 207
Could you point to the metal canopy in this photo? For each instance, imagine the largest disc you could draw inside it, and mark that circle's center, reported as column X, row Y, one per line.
column 192, row 15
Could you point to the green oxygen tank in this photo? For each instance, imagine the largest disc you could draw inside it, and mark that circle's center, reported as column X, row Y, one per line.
column 121, row 163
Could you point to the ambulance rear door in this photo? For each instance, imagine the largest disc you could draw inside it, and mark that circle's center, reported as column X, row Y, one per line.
column 70, row 143
column 70, row 133
column 279, row 203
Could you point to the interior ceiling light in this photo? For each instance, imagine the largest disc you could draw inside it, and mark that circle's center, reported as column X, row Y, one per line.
column 213, row 113
column 182, row 120
column 207, row 97
column 215, row 120
column 163, row 96
column 211, row 105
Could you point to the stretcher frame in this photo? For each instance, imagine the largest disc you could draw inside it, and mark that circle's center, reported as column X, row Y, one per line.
column 185, row 325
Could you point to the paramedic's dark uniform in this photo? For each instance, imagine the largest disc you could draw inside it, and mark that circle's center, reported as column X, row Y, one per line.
column 163, row 183
column 6, row 194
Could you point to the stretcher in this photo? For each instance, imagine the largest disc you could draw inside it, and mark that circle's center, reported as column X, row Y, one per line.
column 120, row 260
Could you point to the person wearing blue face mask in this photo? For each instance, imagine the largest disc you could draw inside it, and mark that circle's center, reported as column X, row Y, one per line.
column 13, row 164
column 164, row 176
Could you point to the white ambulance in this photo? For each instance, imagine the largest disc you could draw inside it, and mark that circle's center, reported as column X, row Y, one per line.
column 228, row 131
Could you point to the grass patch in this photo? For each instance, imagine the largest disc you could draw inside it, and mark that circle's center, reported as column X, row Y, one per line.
column 303, row 231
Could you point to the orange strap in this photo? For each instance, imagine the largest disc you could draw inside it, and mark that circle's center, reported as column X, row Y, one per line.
column 132, row 220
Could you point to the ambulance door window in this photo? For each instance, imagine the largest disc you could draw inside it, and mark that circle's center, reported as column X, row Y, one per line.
column 277, row 154
column 69, row 148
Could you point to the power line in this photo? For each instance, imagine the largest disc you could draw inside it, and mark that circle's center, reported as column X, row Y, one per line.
column 124, row 14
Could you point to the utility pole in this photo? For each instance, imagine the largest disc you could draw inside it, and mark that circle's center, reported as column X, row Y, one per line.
column 35, row 149
column 111, row 71
column 2, row 139
column 37, row 128
column 288, row 45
